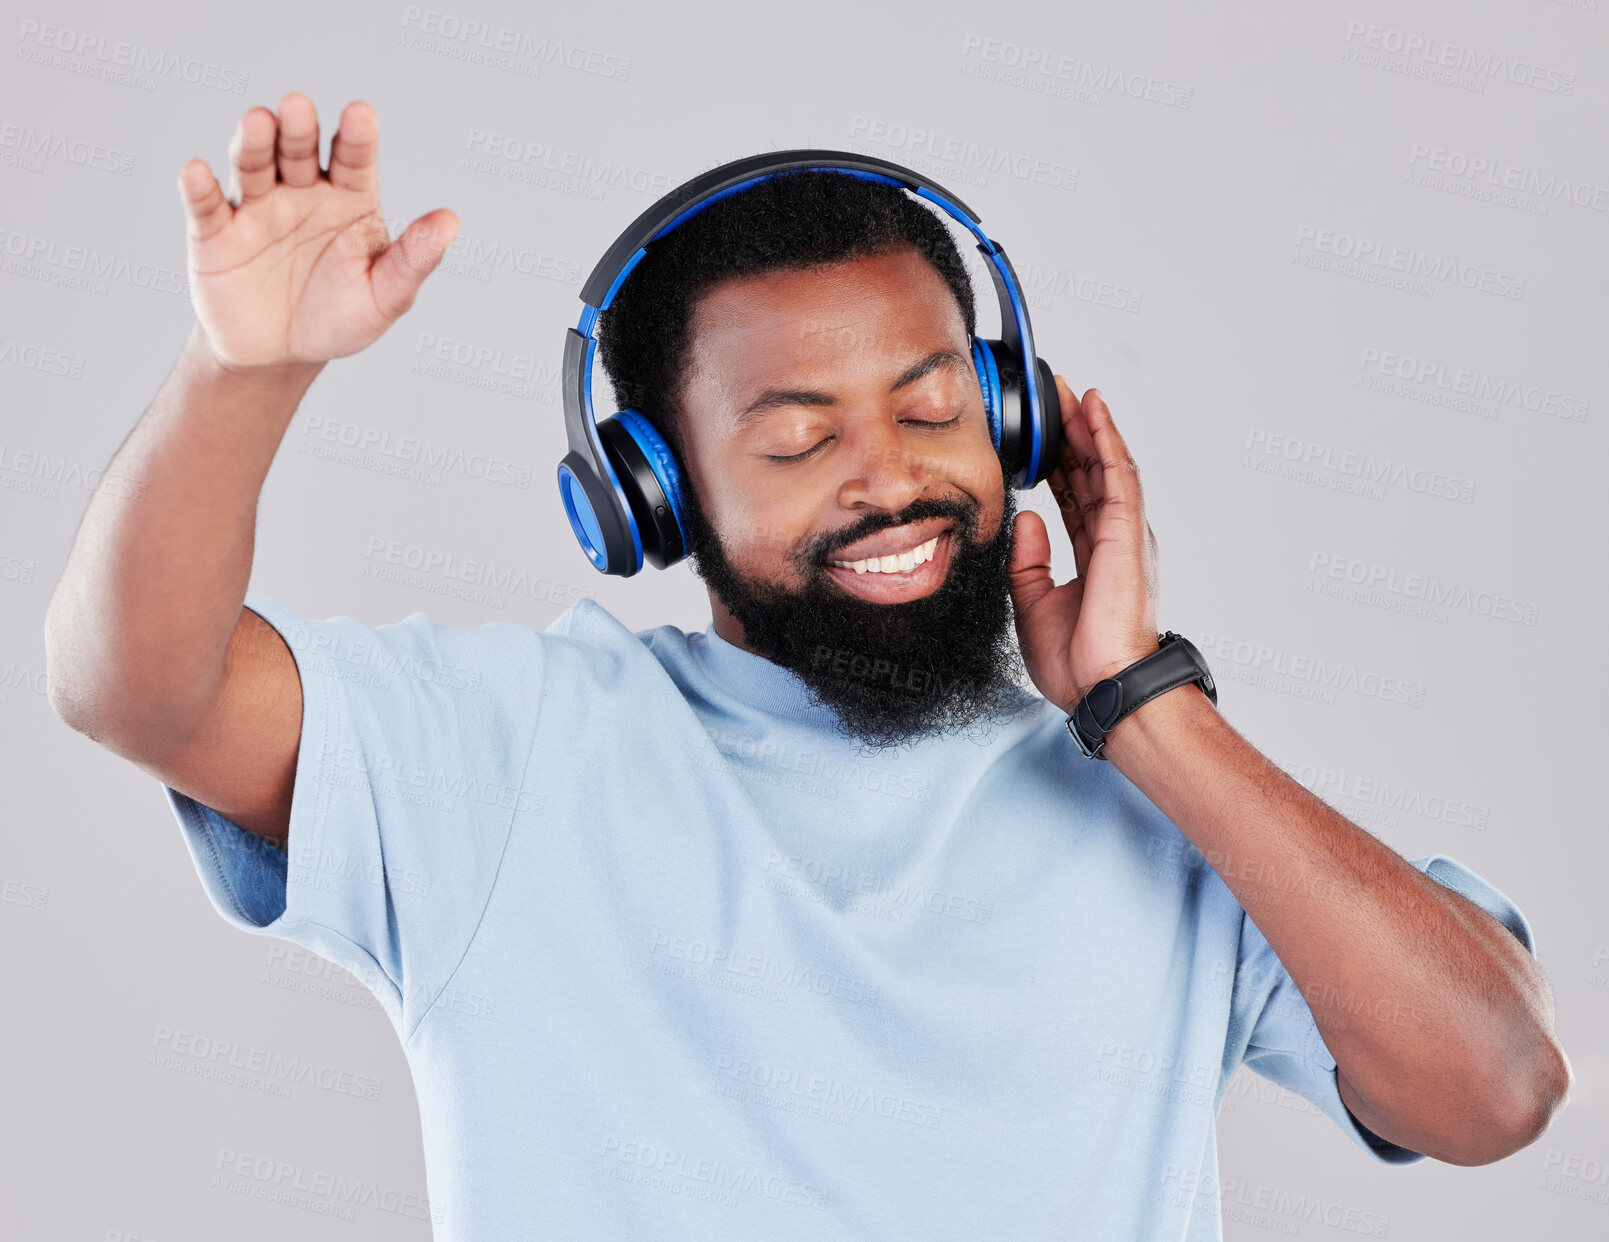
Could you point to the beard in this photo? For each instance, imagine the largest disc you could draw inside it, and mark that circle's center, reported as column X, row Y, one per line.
column 944, row 663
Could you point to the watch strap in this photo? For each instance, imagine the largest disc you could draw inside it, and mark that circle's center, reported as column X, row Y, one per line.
column 1175, row 663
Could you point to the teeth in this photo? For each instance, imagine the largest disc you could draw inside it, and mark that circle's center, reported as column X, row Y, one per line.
column 894, row 562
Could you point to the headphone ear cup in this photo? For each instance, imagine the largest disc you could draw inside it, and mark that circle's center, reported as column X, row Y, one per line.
column 989, row 382
column 1016, row 425
column 652, row 481
column 1011, row 426
column 1050, row 424
column 602, row 525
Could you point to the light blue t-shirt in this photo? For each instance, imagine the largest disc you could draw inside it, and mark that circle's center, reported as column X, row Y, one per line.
column 669, row 959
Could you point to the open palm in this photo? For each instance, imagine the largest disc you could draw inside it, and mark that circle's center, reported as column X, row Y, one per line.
column 296, row 265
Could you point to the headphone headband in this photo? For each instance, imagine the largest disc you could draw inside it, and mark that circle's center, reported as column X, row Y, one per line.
column 598, row 508
column 691, row 197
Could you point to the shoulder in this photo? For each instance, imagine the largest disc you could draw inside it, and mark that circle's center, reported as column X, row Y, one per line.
column 414, row 652
column 585, row 635
column 587, row 644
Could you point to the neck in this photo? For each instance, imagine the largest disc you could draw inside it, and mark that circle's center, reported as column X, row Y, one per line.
column 728, row 626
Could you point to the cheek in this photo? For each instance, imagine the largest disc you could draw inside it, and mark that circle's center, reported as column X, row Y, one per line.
column 761, row 525
column 979, row 474
column 971, row 462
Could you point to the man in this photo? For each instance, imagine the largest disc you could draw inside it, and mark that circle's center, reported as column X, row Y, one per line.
column 814, row 924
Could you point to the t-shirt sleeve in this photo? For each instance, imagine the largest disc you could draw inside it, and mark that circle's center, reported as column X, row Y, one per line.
column 1272, row 1030
column 410, row 771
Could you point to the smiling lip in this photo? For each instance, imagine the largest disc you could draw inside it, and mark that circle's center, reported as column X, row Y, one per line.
column 898, row 539
column 897, row 586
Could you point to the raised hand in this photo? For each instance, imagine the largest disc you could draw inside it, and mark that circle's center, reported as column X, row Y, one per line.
column 1103, row 620
column 296, row 266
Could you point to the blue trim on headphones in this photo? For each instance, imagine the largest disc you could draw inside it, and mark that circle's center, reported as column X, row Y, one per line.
column 583, row 521
column 1030, row 358
column 1019, row 313
column 614, row 285
column 989, row 382
column 661, row 460
column 603, row 459
column 699, row 206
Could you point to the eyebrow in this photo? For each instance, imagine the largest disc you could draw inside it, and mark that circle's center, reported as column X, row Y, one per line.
column 775, row 398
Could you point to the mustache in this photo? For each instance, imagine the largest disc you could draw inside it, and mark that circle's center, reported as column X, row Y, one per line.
column 964, row 513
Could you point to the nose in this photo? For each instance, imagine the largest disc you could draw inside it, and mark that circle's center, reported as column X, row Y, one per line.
column 890, row 467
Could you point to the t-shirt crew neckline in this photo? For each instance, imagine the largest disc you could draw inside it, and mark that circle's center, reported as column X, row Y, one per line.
column 759, row 682
column 765, row 685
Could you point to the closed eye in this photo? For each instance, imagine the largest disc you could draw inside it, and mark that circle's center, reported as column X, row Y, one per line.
column 920, row 422
column 796, row 456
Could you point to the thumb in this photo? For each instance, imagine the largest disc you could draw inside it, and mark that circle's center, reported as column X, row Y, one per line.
column 403, row 265
column 1030, row 562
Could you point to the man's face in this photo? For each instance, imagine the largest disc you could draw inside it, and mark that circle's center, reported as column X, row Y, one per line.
column 835, row 415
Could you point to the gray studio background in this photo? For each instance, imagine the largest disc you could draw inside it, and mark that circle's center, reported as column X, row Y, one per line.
column 1339, row 269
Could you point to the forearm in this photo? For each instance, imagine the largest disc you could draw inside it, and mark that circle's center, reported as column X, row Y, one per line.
column 139, row 622
column 1437, row 1016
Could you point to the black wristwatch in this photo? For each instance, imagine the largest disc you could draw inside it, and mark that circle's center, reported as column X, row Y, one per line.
column 1176, row 663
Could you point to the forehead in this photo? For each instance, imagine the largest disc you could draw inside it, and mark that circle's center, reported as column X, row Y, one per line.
column 860, row 320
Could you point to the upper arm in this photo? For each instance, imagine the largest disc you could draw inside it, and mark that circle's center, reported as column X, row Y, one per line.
column 402, row 754
column 240, row 757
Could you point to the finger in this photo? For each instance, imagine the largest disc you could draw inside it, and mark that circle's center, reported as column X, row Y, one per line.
column 297, row 149
column 1083, row 546
column 1119, row 472
column 1076, row 442
column 1083, row 485
column 355, row 149
column 1072, row 516
column 206, row 210
column 1030, row 562
column 404, row 264
column 251, row 155
column 1078, row 532
column 1060, row 489
column 1080, row 462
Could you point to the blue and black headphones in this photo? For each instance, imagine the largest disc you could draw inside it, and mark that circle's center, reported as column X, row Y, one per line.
column 620, row 483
